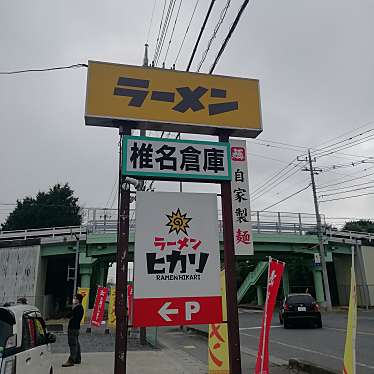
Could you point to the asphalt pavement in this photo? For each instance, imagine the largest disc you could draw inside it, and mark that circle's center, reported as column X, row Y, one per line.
column 321, row 346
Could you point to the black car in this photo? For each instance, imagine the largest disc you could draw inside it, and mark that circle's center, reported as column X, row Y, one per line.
column 299, row 308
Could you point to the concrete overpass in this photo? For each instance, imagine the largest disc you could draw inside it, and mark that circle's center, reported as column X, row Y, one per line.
column 290, row 237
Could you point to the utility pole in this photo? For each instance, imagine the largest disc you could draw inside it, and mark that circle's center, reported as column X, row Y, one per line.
column 319, row 232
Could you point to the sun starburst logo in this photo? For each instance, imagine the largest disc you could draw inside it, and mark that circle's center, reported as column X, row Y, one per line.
column 178, row 222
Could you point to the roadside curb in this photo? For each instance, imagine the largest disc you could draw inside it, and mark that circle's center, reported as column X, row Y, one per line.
column 308, row 367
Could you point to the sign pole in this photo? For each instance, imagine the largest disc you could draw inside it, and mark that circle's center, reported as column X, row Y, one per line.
column 120, row 358
column 229, row 260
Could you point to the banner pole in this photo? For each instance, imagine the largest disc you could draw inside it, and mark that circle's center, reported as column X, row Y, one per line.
column 120, row 356
column 229, row 260
column 265, row 318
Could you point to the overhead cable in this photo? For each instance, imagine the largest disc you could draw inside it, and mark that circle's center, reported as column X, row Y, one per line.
column 215, row 31
column 186, row 32
column 172, row 33
column 346, row 197
column 286, row 198
column 75, row 66
column 164, row 30
column 200, row 34
column 151, row 21
column 232, row 29
column 159, row 30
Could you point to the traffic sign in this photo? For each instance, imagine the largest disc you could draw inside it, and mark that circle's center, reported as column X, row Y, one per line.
column 170, row 100
column 155, row 158
column 177, row 262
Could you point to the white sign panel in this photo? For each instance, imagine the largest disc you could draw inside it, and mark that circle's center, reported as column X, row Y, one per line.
column 177, row 261
column 145, row 157
column 243, row 239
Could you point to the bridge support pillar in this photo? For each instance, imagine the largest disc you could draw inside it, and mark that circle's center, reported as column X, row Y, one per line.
column 318, row 285
column 286, row 282
column 260, row 295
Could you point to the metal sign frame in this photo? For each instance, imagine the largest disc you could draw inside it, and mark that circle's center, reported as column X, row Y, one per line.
column 150, row 174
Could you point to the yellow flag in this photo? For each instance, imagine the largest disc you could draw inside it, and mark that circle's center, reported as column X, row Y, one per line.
column 112, row 308
column 218, row 348
column 350, row 342
column 85, row 292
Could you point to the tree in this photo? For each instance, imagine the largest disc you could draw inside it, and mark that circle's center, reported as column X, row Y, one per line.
column 362, row 225
column 56, row 208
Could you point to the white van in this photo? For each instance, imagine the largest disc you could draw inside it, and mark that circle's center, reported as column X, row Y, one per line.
column 24, row 342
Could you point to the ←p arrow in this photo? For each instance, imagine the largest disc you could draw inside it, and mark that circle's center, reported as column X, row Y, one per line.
column 164, row 311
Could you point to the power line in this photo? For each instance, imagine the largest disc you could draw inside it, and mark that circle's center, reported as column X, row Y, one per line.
column 215, row 31
column 151, row 21
column 343, row 188
column 325, row 151
column 346, row 133
column 232, row 29
column 200, row 34
column 164, row 30
column 281, row 143
column 172, row 33
column 286, row 198
column 348, row 180
column 186, row 32
column 343, row 192
column 271, row 187
column 258, row 142
column 75, row 66
column 159, row 30
column 346, row 197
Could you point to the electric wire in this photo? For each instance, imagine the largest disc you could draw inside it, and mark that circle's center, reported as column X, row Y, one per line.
column 286, row 198
column 231, row 31
column 277, row 174
column 343, row 192
column 200, row 34
column 348, row 180
column 277, row 182
column 172, row 33
column 186, row 32
column 163, row 33
column 151, row 21
column 159, row 30
column 74, row 66
column 346, row 197
column 164, row 30
column 215, row 31
column 345, row 133
column 345, row 187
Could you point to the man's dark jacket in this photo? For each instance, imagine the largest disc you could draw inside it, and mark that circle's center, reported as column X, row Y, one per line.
column 76, row 316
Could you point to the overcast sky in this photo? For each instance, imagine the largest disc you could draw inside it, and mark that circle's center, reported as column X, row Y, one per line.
column 314, row 60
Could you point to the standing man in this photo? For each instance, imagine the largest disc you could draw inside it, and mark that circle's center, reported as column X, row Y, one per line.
column 76, row 316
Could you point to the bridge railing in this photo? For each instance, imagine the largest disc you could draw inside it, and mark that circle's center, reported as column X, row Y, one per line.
column 262, row 222
column 68, row 232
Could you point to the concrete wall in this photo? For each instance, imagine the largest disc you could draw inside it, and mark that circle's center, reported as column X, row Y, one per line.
column 368, row 263
column 342, row 264
column 20, row 274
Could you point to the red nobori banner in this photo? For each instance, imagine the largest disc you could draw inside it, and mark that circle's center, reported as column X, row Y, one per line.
column 99, row 307
column 275, row 273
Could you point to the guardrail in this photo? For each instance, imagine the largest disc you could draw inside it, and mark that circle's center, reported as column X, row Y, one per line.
column 105, row 221
column 69, row 232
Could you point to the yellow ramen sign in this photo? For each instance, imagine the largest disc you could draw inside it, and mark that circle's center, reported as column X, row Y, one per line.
column 160, row 99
